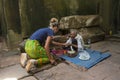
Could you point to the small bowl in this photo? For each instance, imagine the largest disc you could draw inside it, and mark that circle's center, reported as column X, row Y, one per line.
column 71, row 53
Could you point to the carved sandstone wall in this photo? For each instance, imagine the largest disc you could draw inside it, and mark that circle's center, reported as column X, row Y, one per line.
column 20, row 18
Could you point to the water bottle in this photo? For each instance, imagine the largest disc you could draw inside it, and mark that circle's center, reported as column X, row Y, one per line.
column 89, row 41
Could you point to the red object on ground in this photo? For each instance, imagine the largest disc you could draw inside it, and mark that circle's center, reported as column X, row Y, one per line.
column 59, row 52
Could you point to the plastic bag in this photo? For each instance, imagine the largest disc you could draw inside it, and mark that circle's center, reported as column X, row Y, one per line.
column 84, row 55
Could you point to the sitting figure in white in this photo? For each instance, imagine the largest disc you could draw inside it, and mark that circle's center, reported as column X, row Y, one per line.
column 75, row 42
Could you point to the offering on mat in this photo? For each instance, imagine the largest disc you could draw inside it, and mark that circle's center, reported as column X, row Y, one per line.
column 71, row 53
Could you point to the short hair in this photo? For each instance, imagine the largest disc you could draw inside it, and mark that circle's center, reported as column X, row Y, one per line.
column 73, row 31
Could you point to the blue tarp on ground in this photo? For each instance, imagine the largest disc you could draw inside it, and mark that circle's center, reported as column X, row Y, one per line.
column 96, row 57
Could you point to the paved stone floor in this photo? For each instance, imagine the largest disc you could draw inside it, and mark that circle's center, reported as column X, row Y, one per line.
column 108, row 69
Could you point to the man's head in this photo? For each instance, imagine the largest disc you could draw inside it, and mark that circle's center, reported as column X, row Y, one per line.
column 54, row 24
column 73, row 33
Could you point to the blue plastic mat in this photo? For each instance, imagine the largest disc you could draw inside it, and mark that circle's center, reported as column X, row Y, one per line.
column 96, row 57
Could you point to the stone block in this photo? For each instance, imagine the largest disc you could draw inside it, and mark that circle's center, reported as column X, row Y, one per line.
column 87, row 25
column 29, row 78
column 8, row 61
column 103, row 70
column 79, row 21
column 12, row 72
column 93, row 33
column 62, row 72
column 114, row 76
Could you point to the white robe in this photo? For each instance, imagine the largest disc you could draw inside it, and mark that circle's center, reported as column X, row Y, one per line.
column 79, row 42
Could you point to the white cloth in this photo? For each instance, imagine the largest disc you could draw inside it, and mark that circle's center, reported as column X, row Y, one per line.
column 84, row 55
column 79, row 42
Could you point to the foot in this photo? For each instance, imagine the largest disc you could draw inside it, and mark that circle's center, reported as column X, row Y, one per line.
column 23, row 59
column 30, row 64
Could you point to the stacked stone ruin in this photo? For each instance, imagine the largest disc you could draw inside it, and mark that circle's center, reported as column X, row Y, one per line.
column 87, row 25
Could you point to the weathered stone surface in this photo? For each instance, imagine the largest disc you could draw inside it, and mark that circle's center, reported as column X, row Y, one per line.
column 79, row 21
column 115, row 59
column 21, row 18
column 11, row 72
column 32, row 20
column 86, row 25
column 10, row 53
column 42, row 68
column 112, row 47
column 29, row 17
column 108, row 69
column 10, row 60
column 103, row 70
column 93, row 33
column 11, row 27
column 29, row 78
column 114, row 76
column 61, row 39
column 62, row 72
